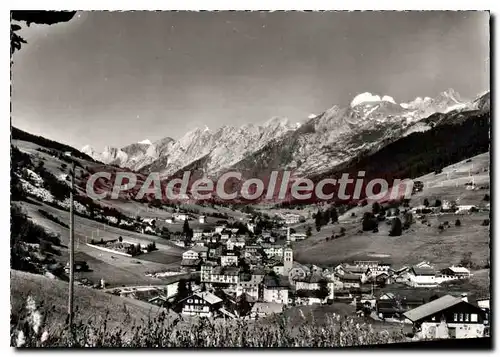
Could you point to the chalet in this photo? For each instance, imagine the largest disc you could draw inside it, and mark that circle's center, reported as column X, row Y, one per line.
column 348, row 280
column 229, row 259
column 298, row 272
column 203, row 304
column 311, row 282
column 294, row 237
column 420, row 277
column 251, row 250
column 169, row 220
column 201, row 250
column 249, row 284
column 235, row 242
column 190, row 255
column 273, row 250
column 219, row 229
column 181, row 217
column 251, row 227
column 275, row 289
column 197, row 234
column 292, row 218
column 214, row 252
column 225, row 234
column 263, row 309
column 190, row 264
column 222, row 275
column 453, row 273
column 447, row 316
column 483, row 303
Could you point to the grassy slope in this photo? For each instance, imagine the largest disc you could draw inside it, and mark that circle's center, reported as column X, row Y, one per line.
column 420, row 242
column 90, row 303
column 117, row 270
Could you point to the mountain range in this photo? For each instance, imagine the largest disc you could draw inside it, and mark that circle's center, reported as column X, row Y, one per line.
column 323, row 141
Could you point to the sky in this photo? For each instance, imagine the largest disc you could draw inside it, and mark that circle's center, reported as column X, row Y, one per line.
column 115, row 78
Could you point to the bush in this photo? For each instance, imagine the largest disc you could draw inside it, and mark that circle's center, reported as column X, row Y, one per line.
column 396, row 228
column 458, row 223
column 486, row 222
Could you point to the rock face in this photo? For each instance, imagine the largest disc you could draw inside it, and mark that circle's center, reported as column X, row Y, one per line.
column 337, row 135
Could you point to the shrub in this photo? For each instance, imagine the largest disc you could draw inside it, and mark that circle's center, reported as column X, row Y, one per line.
column 458, row 223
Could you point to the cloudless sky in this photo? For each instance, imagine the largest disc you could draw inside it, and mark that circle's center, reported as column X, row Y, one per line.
column 114, row 78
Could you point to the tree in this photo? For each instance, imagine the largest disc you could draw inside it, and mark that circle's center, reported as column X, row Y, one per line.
column 308, row 231
column 120, row 239
column 183, row 291
column 369, row 222
column 396, row 228
column 458, row 223
column 426, row 202
column 334, row 216
column 318, row 220
column 323, row 291
column 437, row 203
column 408, row 220
column 242, row 305
column 376, row 208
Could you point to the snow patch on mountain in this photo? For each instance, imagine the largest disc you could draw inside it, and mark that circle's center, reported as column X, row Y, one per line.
column 145, row 141
column 368, row 97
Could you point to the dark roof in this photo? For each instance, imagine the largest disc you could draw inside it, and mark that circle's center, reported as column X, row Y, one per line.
column 432, row 307
column 423, row 271
column 348, row 276
column 190, row 262
column 275, row 281
column 313, row 278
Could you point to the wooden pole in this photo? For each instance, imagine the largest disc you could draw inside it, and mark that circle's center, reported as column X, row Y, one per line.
column 71, row 247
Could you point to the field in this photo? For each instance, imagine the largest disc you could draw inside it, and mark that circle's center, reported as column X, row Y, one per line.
column 89, row 303
column 115, row 269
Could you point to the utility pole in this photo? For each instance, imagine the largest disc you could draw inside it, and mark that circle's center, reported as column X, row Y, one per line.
column 71, row 243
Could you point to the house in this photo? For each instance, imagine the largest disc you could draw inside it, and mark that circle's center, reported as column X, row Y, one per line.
column 219, row 229
column 191, row 264
column 297, row 272
column 292, row 218
column 181, row 217
column 421, row 277
column 201, row 250
column 251, row 251
column 453, row 273
column 483, row 303
column 251, row 227
column 169, row 220
column 249, row 284
column 294, row 237
column 311, row 282
column 222, row 275
column 190, row 255
column 203, row 304
column 197, row 234
column 229, row 259
column 463, row 209
column 447, row 316
column 235, row 242
column 202, row 219
column 263, row 309
column 273, row 250
column 275, row 289
column 348, row 280
column 214, row 252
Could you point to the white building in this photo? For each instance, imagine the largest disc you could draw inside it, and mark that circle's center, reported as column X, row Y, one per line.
column 190, row 255
column 229, row 259
column 202, row 219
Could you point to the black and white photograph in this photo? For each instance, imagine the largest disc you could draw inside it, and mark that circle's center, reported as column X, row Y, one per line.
column 250, row 179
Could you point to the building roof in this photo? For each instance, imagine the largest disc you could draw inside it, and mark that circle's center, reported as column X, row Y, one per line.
column 190, row 262
column 267, row 308
column 208, row 297
column 459, row 270
column 432, row 307
column 348, row 276
column 199, row 249
column 275, row 281
column 423, row 271
column 313, row 278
